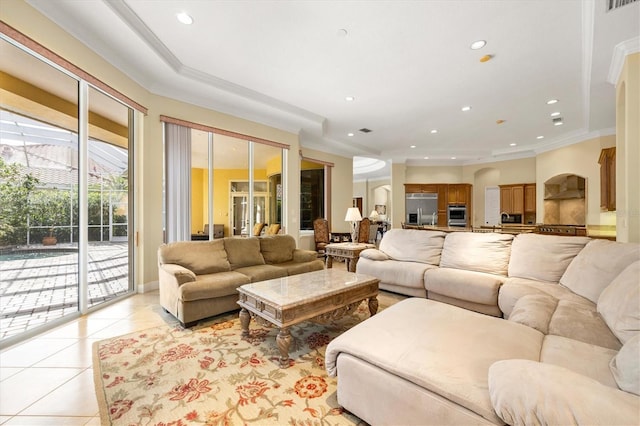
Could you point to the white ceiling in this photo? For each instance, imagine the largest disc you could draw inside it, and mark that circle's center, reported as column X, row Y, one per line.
column 408, row 64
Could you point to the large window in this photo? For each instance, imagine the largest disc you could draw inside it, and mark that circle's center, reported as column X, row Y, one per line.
column 234, row 183
column 65, row 198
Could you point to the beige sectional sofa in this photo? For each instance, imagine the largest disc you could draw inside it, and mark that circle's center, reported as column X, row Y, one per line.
column 198, row 279
column 566, row 352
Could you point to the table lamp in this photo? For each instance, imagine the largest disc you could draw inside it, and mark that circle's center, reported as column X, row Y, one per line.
column 353, row 216
column 374, row 216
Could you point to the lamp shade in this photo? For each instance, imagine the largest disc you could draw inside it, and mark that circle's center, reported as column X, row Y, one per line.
column 374, row 215
column 353, row 215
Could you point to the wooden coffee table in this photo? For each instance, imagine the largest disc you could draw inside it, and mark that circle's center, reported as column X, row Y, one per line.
column 350, row 252
column 326, row 294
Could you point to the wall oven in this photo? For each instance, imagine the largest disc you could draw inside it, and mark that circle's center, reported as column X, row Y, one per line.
column 457, row 215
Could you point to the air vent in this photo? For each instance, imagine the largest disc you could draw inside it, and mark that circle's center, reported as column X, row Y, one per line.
column 365, row 130
column 614, row 4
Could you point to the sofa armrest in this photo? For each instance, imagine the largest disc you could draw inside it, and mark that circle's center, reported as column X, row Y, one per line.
column 526, row 392
column 179, row 273
column 374, row 254
column 302, row 256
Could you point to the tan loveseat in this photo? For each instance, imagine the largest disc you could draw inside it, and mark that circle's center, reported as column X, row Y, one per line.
column 566, row 352
column 198, row 279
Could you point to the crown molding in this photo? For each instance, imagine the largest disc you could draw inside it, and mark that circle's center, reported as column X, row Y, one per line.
column 620, row 52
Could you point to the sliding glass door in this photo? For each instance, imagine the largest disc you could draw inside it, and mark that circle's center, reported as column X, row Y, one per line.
column 64, row 161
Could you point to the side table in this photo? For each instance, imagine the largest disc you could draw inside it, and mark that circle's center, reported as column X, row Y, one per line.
column 350, row 252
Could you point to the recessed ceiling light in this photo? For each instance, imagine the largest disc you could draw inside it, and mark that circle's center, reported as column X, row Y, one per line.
column 555, row 114
column 540, row 137
column 486, row 58
column 349, row 134
column 499, row 121
column 552, row 101
column 558, row 123
column 426, row 158
column 349, row 99
column 342, row 32
column 512, row 144
column 184, row 18
column 478, row 44
column 453, row 158
column 412, row 146
column 434, row 131
column 466, row 108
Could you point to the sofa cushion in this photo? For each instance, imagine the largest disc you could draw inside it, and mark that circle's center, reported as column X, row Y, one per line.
column 473, row 286
column 262, row 272
column 200, row 257
column 625, row 366
column 581, row 321
column 619, row 303
column 243, row 252
column 277, row 248
column 535, row 311
column 583, row 358
column 597, row 264
column 396, row 273
column 435, row 354
column 543, row 257
column 209, row 286
column 294, row 268
column 413, row 245
column 475, row 251
column 514, row 288
column 525, row 392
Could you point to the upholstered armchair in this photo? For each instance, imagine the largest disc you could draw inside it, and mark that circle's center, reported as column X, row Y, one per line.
column 321, row 234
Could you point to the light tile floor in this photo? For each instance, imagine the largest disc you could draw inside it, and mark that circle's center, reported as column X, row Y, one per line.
column 48, row 380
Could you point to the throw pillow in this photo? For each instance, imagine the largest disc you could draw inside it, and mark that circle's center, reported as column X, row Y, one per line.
column 243, row 252
column 597, row 264
column 619, row 303
column 625, row 367
column 374, row 254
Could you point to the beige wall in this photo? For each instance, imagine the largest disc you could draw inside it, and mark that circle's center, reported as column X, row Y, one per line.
column 628, row 150
column 580, row 159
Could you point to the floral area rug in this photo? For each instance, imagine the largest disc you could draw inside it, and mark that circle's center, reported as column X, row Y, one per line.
column 210, row 375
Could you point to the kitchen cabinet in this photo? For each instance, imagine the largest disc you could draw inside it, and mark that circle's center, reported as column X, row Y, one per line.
column 519, row 199
column 459, row 194
column 530, row 198
column 607, row 162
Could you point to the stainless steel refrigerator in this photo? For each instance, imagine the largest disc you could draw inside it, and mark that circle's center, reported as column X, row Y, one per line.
column 421, row 208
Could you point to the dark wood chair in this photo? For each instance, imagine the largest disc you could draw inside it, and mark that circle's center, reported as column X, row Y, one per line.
column 321, row 234
column 363, row 230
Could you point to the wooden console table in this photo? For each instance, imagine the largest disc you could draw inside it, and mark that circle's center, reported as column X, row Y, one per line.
column 350, row 252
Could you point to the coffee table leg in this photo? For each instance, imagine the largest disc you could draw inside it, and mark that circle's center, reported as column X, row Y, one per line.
column 351, row 265
column 283, row 339
column 373, row 305
column 245, row 318
column 329, row 261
